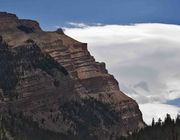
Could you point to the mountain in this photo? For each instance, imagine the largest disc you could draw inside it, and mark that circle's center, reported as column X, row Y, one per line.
column 53, row 80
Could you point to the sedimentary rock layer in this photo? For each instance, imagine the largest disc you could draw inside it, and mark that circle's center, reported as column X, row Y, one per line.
column 55, row 80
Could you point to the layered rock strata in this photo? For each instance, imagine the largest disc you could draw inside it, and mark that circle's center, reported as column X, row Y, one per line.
column 55, row 80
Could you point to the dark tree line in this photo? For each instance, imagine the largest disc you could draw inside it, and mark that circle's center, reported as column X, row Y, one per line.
column 18, row 127
column 169, row 129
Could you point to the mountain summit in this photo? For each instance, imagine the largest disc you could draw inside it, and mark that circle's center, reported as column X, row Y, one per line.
column 53, row 80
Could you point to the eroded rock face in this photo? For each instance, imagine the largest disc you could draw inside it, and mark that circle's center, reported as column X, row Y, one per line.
column 54, row 79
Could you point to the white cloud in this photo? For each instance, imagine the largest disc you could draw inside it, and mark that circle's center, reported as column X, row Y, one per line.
column 77, row 25
column 157, row 111
column 148, row 53
column 81, row 25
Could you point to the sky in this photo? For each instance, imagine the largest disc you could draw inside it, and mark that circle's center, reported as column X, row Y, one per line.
column 138, row 39
column 59, row 12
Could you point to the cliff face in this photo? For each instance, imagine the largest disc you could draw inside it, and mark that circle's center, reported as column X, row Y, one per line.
column 54, row 79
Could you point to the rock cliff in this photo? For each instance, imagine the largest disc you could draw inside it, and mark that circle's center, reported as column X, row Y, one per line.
column 53, row 79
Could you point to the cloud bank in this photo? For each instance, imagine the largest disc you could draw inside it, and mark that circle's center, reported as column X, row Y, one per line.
column 157, row 110
column 144, row 58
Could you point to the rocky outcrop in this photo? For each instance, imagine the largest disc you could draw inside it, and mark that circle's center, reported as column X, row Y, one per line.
column 54, row 79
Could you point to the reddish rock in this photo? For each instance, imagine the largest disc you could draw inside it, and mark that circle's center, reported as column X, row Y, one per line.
column 54, row 75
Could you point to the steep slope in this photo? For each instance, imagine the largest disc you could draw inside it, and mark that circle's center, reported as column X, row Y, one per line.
column 54, row 79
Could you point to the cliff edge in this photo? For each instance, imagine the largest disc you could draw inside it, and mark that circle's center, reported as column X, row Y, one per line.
column 53, row 79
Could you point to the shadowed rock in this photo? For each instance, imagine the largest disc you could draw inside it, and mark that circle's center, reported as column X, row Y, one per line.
column 54, row 78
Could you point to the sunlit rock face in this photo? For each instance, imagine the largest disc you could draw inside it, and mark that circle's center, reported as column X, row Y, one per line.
column 55, row 80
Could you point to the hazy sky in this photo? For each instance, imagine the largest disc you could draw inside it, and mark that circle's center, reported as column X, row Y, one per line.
column 138, row 39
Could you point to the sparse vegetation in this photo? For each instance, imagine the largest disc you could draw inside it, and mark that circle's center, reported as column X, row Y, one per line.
column 14, row 63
